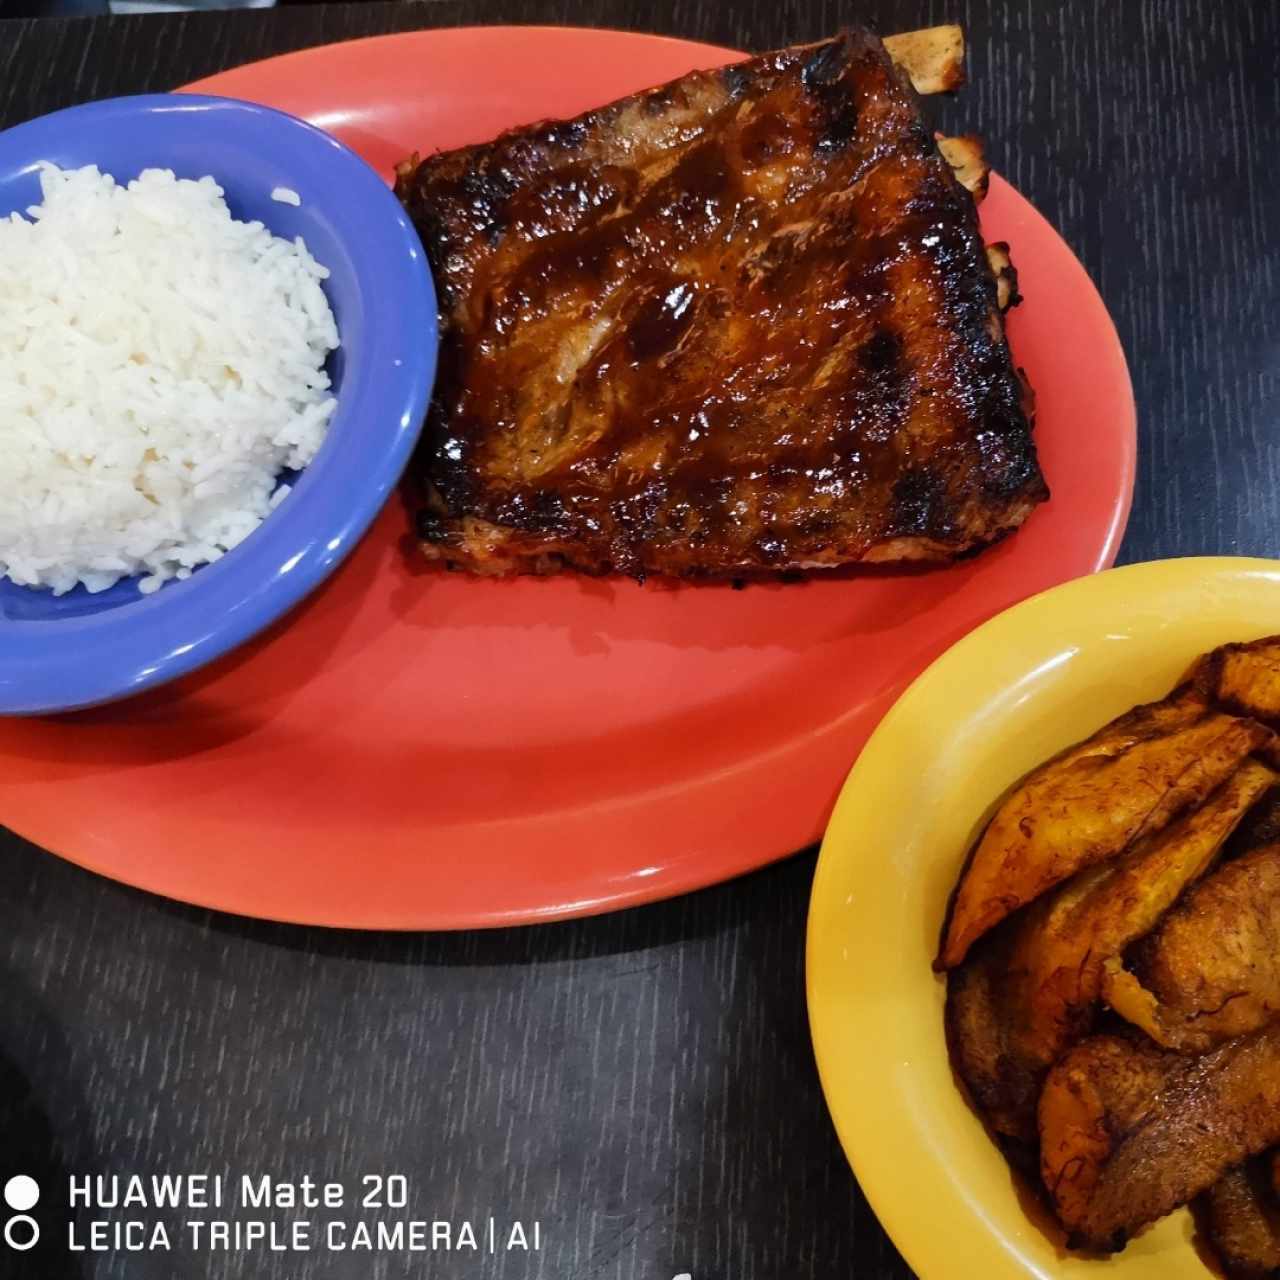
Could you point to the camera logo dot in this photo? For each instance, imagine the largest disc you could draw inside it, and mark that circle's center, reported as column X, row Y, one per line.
column 21, row 1193
column 21, row 1231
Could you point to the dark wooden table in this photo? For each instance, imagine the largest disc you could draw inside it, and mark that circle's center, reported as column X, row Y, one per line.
column 641, row 1084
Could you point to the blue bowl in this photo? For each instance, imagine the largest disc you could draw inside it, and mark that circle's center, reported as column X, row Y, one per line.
column 82, row 649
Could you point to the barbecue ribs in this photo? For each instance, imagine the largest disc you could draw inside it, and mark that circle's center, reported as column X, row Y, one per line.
column 738, row 324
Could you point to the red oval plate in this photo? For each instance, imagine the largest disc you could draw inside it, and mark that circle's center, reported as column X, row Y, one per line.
column 417, row 750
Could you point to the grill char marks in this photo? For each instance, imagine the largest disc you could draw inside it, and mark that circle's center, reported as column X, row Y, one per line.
column 737, row 324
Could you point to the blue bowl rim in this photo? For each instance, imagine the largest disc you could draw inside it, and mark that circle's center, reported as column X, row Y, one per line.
column 78, row 662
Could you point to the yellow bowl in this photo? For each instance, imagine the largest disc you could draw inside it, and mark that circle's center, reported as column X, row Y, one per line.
column 1032, row 681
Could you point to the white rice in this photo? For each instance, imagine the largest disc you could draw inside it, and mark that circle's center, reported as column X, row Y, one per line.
column 160, row 363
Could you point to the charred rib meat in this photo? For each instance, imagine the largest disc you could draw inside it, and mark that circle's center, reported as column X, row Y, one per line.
column 738, row 324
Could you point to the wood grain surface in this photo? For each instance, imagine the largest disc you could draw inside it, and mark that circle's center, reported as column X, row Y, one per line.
column 641, row 1084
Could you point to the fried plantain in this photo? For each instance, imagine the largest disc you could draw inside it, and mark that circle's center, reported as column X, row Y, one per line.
column 1057, row 961
column 1243, row 1217
column 1243, row 678
column 1211, row 971
column 1129, row 1132
column 1016, row 1005
column 1091, row 803
column 1003, row 1088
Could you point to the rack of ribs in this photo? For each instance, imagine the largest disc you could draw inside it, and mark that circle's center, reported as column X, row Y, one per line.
column 740, row 324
